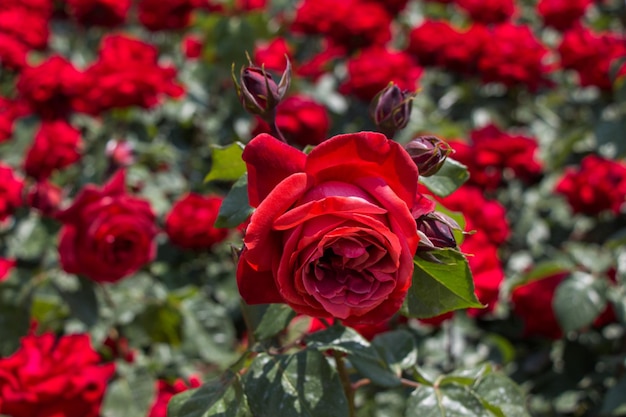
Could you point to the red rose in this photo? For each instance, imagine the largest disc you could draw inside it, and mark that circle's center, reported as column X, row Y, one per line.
column 12, row 52
column 192, row 46
column 50, row 87
column 562, row 14
column 487, row 271
column 165, row 14
column 107, row 234
column 300, row 119
column 44, row 197
column 322, row 62
column 6, row 265
column 9, row 112
column 10, row 192
column 107, row 13
column 190, row 222
column 127, row 73
column 165, row 392
column 597, row 185
column 374, row 68
column 250, row 5
column 22, row 24
column 333, row 234
column 49, row 377
column 57, row 145
column 272, row 55
column 488, row 11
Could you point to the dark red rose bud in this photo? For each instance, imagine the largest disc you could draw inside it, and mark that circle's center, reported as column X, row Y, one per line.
column 437, row 228
column 429, row 153
column 391, row 109
column 258, row 91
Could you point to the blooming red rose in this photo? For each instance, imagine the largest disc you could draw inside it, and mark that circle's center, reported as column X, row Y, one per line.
column 190, row 222
column 57, row 145
column 373, row 69
column 271, row 55
column 192, row 46
column 107, row 234
column 165, row 392
column 487, row 271
column 562, row 14
column 166, row 14
column 107, row 13
column 10, row 191
column 599, row 184
column 488, row 11
column 127, row 73
column 12, row 52
column 25, row 26
column 6, row 265
column 50, row 377
column 332, row 234
column 321, row 62
column 301, row 120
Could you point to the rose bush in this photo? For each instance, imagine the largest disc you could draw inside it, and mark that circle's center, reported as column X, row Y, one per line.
column 333, row 234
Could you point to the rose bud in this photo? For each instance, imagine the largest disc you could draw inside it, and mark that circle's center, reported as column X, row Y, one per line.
column 258, row 91
column 429, row 153
column 436, row 230
column 391, row 109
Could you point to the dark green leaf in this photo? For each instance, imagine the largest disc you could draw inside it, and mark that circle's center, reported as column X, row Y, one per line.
column 440, row 287
column 447, row 401
column 227, row 163
column 220, row 398
column 299, row 385
column 612, row 132
column 579, row 300
column 615, row 401
column 450, row 177
column 82, row 301
column 397, row 348
column 502, row 396
column 14, row 322
column 275, row 320
column 163, row 323
column 546, row 269
column 235, row 208
column 130, row 395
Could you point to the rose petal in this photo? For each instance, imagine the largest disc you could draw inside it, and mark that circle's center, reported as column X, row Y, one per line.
column 256, row 287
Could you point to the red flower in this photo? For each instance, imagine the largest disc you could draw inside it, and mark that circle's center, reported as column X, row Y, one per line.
column 374, row 68
column 301, row 120
column 488, row 11
column 320, row 63
column 12, row 52
column 166, row 14
column 271, row 55
column 6, row 265
column 22, row 24
column 562, row 14
column 486, row 270
column 127, row 74
column 50, row 377
column 107, row 13
column 106, row 233
column 165, row 392
column 597, row 185
column 51, row 87
column 45, row 197
column 333, row 234
column 9, row 112
column 57, row 145
column 10, row 192
column 250, row 5
column 190, row 222
column 192, row 46
column 513, row 56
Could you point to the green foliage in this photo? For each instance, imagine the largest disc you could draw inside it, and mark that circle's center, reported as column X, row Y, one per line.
column 579, row 300
column 449, row 178
column 227, row 163
column 235, row 208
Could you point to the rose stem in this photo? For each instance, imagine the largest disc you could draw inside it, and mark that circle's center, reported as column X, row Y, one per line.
column 345, row 381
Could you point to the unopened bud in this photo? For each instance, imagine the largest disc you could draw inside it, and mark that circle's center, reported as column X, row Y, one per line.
column 429, row 153
column 258, row 91
column 391, row 109
column 436, row 230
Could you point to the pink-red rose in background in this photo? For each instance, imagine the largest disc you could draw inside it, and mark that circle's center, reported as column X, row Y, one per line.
column 6, row 265
column 488, row 11
column 50, row 377
column 11, row 187
column 189, row 224
column 333, row 234
column 166, row 14
column 107, row 234
column 57, row 144
column 165, row 392
column 127, row 73
column 192, row 46
column 301, row 120
column 106, row 13
column 373, row 69
column 44, row 197
column 562, row 14
column 598, row 184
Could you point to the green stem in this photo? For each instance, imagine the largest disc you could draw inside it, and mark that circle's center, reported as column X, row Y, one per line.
column 345, row 381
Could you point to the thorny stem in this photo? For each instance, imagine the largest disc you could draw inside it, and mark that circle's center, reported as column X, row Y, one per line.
column 345, row 381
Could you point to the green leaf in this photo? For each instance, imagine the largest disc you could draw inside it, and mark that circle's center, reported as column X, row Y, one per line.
column 364, row 357
column 82, row 301
column 14, row 322
column 502, row 396
column 440, row 287
column 299, row 385
column 397, row 348
column 223, row 397
column 131, row 395
column 578, row 300
column 227, row 163
column 450, row 177
column 275, row 320
column 163, row 323
column 614, row 402
column 235, row 208
column 546, row 269
column 447, row 401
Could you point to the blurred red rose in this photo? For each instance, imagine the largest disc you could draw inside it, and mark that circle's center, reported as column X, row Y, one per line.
column 166, row 14
column 562, row 14
column 190, row 222
column 192, row 46
column 51, row 87
column 271, row 55
column 26, row 26
column 393, row 6
column 107, row 234
column 598, row 184
column 107, row 13
column 12, row 52
column 487, row 271
column 320, row 63
column 127, row 73
column 44, row 197
column 57, row 145
column 373, row 69
column 250, row 5
column 11, row 188
column 333, row 234
column 514, row 56
column 165, row 392
column 488, row 11
column 9, row 111
column 301, row 120
column 6, row 265
column 50, row 377
column 591, row 55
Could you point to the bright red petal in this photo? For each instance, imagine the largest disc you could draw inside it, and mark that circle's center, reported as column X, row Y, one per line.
column 256, row 287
